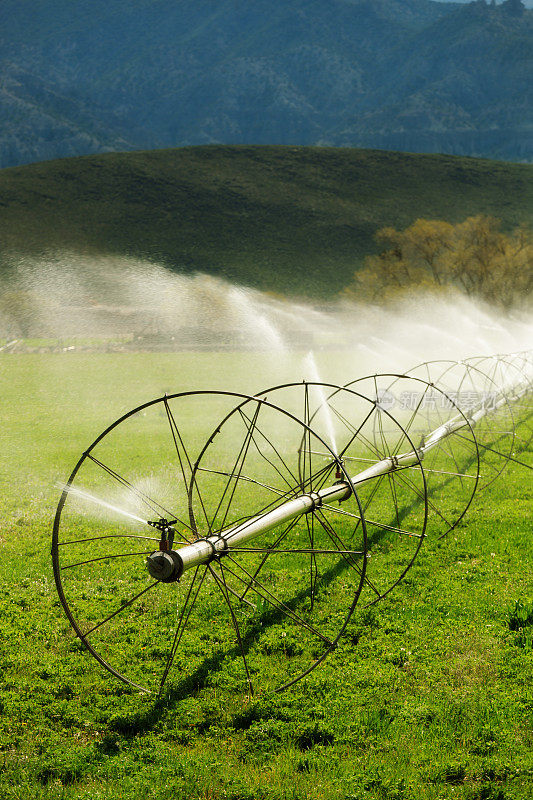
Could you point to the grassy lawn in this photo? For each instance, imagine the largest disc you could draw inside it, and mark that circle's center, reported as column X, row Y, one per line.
column 428, row 695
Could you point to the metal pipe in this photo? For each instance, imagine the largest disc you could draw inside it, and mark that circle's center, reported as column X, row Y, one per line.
column 173, row 565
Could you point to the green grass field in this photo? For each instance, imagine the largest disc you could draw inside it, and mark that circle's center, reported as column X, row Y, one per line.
column 429, row 694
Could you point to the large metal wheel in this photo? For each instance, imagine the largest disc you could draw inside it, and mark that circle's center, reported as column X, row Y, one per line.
column 393, row 496
column 480, row 398
column 513, row 377
column 450, row 461
column 280, row 602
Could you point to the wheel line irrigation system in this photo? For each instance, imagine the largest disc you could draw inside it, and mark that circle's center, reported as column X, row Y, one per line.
column 206, row 528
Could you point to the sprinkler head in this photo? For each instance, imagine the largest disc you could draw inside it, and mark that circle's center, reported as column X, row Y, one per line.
column 165, row 566
column 339, row 474
column 167, row 532
column 162, row 524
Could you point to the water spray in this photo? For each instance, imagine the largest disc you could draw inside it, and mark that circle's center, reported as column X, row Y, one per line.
column 278, row 513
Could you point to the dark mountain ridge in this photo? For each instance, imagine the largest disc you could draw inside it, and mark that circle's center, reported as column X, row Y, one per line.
column 83, row 77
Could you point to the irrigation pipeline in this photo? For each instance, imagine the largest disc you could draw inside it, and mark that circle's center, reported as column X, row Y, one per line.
column 277, row 473
column 168, row 568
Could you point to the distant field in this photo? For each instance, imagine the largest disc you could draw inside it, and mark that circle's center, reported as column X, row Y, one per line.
column 296, row 220
column 428, row 695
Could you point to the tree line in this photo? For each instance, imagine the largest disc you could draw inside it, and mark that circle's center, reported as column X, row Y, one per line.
column 474, row 256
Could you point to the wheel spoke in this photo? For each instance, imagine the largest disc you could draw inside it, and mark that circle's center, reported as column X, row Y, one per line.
column 424, row 497
column 244, row 478
column 225, row 593
column 315, row 551
column 182, row 623
column 373, row 522
column 292, row 479
column 407, row 428
column 237, row 469
column 271, row 598
column 178, row 442
column 333, row 535
column 120, row 610
column 105, row 558
column 506, row 457
column 110, row 536
column 279, row 539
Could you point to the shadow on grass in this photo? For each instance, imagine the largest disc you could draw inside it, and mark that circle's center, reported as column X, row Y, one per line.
column 131, row 725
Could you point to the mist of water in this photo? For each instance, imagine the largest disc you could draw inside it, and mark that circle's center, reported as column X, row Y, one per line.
column 121, row 512
column 118, row 298
column 323, row 408
column 125, row 304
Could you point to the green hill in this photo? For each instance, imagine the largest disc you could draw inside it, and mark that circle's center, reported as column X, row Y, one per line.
column 297, row 220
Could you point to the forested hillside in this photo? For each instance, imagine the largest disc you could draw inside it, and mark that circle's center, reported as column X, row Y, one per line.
column 88, row 76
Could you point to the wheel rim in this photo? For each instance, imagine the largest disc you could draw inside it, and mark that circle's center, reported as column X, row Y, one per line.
column 395, row 518
column 109, row 557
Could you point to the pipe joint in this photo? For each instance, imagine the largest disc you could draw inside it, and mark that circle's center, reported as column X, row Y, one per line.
column 216, row 551
column 316, row 501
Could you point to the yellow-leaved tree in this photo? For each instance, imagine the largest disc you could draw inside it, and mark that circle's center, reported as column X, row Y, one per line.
column 475, row 256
